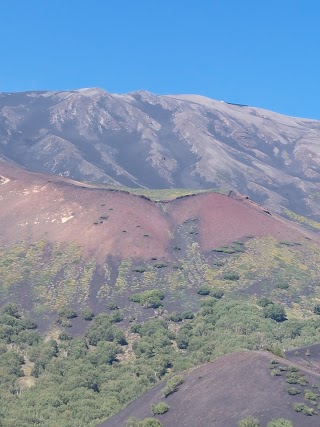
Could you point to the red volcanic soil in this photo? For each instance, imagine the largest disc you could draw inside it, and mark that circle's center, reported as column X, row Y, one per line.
column 221, row 393
column 105, row 221
column 223, row 219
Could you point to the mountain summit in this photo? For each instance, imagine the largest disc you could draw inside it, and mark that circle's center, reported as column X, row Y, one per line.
column 163, row 141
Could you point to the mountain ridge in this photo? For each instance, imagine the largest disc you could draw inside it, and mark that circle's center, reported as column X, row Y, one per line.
column 164, row 141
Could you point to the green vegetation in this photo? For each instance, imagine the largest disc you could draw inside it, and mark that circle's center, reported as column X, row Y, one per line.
column 74, row 381
column 306, row 410
column 302, row 219
column 172, row 385
column 149, row 299
column 231, row 276
column 281, row 422
column 249, row 422
column 275, row 312
column 147, row 422
column 87, row 314
column 67, row 313
column 97, row 374
column 296, row 378
column 293, row 391
column 166, row 194
column 310, row 395
column 160, row 408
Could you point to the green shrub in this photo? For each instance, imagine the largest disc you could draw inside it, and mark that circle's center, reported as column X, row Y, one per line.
column 149, row 299
column 231, row 276
column 309, row 411
column 277, row 351
column 280, row 422
column 172, row 385
column 282, row 285
column 139, row 270
column 275, row 312
column 264, row 301
column 204, row 290
column 160, row 408
column 316, row 309
column 64, row 336
column 249, row 422
column 303, row 381
column 298, row 407
column 216, row 293
column 175, row 317
column 65, row 323
column 306, row 410
column 296, row 378
column 87, row 314
column 310, row 395
column 12, row 310
column 147, row 422
column 112, row 306
column 160, row 265
column 218, row 263
column 293, row 391
column 68, row 313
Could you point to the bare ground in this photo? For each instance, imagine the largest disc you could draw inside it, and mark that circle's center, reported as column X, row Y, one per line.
column 221, row 393
column 107, row 222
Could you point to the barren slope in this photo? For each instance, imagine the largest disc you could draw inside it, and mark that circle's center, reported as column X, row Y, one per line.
column 107, row 222
column 145, row 140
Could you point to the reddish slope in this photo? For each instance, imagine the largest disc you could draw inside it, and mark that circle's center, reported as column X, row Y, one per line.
column 34, row 204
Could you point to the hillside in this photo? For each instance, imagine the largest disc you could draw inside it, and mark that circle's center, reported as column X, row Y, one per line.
column 74, row 244
column 221, row 393
column 176, row 141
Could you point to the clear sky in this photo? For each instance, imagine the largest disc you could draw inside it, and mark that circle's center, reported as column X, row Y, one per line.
column 261, row 53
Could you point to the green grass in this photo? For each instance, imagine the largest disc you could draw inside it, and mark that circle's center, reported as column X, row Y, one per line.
column 160, row 195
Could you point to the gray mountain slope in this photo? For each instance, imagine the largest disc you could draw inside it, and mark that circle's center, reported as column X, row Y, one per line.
column 144, row 140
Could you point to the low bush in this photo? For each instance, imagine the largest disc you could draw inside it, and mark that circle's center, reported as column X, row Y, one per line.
column 147, row 422
column 87, row 314
column 64, row 336
column 316, row 309
column 280, row 422
column 282, row 285
column 231, row 276
column 172, row 385
column 68, row 313
column 149, row 299
column 306, row 410
column 216, row 293
column 275, row 312
column 249, row 422
column 112, row 306
column 310, row 395
column 160, row 408
column 204, row 290
column 264, row 301
column 293, row 391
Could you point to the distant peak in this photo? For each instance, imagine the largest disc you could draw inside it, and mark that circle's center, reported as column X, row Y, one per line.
column 90, row 91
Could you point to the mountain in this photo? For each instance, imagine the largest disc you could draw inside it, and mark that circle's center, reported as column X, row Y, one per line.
column 222, row 393
column 107, row 291
column 175, row 141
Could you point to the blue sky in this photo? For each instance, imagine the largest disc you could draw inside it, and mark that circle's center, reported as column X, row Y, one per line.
column 261, row 53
